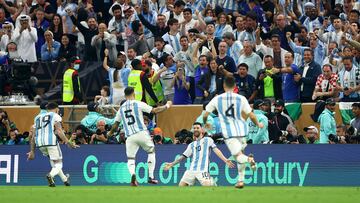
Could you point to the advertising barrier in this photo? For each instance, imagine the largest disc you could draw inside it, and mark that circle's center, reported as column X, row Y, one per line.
column 296, row 165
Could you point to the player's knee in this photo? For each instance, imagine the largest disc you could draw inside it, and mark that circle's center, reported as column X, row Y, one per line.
column 183, row 184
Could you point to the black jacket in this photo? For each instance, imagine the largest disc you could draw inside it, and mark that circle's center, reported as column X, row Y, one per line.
column 310, row 78
column 155, row 29
column 206, row 81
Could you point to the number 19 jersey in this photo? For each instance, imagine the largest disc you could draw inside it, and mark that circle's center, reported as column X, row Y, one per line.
column 44, row 129
column 230, row 107
column 131, row 115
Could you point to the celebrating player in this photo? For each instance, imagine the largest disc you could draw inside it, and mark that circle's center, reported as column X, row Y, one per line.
column 47, row 126
column 200, row 152
column 131, row 115
column 233, row 111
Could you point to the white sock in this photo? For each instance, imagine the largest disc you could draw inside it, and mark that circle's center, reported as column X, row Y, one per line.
column 151, row 164
column 242, row 158
column 241, row 171
column 131, row 166
column 59, row 165
column 54, row 171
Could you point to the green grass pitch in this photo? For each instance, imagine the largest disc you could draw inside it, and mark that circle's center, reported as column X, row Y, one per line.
column 173, row 194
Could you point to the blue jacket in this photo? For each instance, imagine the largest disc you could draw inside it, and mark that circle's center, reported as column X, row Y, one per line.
column 90, row 120
column 256, row 134
column 310, row 78
column 327, row 125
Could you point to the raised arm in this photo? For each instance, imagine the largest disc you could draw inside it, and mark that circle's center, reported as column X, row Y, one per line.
column 162, row 108
column 223, row 158
column 105, row 63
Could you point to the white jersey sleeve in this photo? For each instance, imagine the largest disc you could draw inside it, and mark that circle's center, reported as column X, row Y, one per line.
column 118, row 116
column 246, row 106
column 211, row 143
column 212, row 105
column 57, row 118
column 144, row 107
column 188, row 152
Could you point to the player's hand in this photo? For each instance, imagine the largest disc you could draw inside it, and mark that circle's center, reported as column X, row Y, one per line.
column 261, row 125
column 168, row 166
column 30, row 155
column 229, row 163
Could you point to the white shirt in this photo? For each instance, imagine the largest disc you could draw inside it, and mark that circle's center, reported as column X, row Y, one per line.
column 230, row 107
column 26, row 43
column 166, row 79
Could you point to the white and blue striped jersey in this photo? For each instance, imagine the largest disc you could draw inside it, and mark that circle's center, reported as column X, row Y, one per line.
column 200, row 152
column 131, row 115
column 173, row 41
column 231, row 107
column 45, row 129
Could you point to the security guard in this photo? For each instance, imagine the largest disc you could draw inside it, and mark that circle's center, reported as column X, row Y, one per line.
column 71, row 83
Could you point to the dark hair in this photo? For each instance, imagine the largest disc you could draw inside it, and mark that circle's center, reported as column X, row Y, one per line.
column 229, row 81
column 159, row 39
column 136, row 63
column 116, row 7
column 129, row 91
column 357, row 104
column 327, row 65
column 52, row 105
column 243, row 65
column 52, row 25
column 302, row 39
column 347, row 58
column 268, row 56
column 197, row 123
column 135, row 26
column 106, row 89
column 172, row 21
column 184, row 36
column 252, row 15
column 303, row 28
column 276, row 36
column 355, row 11
column 187, row 10
column 179, row 3
column 311, row 51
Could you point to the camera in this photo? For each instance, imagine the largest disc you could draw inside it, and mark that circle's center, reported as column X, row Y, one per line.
column 334, row 138
column 354, row 134
column 99, row 132
column 157, row 138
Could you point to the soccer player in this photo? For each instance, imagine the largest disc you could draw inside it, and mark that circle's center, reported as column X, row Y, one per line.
column 233, row 111
column 131, row 115
column 199, row 149
column 47, row 126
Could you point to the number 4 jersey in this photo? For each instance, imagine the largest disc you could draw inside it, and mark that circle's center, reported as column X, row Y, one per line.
column 231, row 107
column 131, row 115
column 45, row 129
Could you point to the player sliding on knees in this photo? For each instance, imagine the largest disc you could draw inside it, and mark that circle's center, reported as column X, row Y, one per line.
column 199, row 149
column 131, row 115
column 47, row 126
column 233, row 110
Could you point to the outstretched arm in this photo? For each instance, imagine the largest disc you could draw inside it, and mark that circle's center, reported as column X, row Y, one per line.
column 161, row 108
column 223, row 158
column 178, row 160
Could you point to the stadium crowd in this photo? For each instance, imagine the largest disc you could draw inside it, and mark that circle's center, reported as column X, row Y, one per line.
column 278, row 51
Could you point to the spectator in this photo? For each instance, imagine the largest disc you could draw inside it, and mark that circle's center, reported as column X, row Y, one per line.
column 239, row 27
column 235, row 47
column 137, row 40
column 173, row 36
column 355, row 122
column 50, row 50
column 103, row 98
column 245, row 83
column 332, row 36
column 159, row 138
column 256, row 134
column 250, row 26
column 150, row 16
column 167, row 74
column 327, row 121
column 225, row 60
column 56, row 27
column 89, row 32
column 211, row 83
column 118, row 77
column 253, row 60
column 326, row 84
column 268, row 84
column 6, row 35
column 181, row 85
column 349, row 81
column 12, row 138
column 117, row 27
column 91, row 120
column 290, row 89
column 307, row 78
column 71, row 83
column 222, row 25
column 100, row 136
column 41, row 26
column 311, row 135
column 201, row 70
column 160, row 50
column 277, row 53
column 25, row 37
column 5, row 126
column 282, row 120
column 102, row 41
column 210, row 40
column 80, row 135
column 67, row 49
column 45, row 6
column 140, row 82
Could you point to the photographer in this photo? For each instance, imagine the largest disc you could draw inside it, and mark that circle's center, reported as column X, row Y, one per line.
column 340, row 136
column 256, row 134
column 100, row 136
column 353, row 132
column 5, row 126
column 80, row 135
column 159, row 138
column 311, row 135
column 183, row 136
column 355, row 122
column 327, row 121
